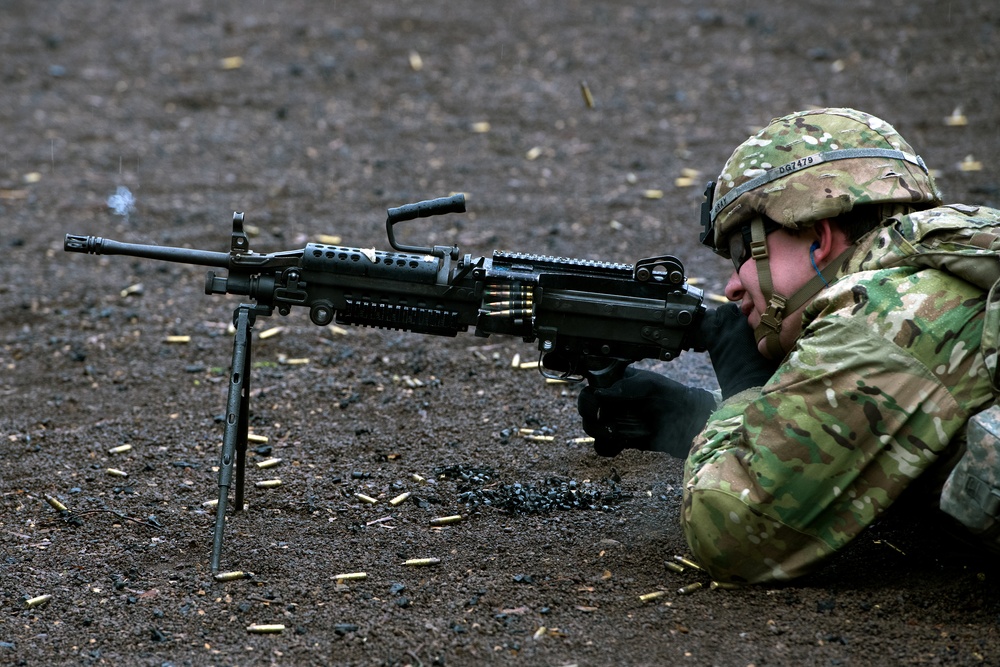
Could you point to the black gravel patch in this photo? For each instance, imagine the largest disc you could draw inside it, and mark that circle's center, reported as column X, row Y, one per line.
column 479, row 487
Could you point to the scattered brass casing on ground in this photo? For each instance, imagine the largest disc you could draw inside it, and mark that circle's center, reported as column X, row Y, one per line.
column 445, row 520
column 400, row 498
column 37, row 601
column 266, row 629
column 416, row 562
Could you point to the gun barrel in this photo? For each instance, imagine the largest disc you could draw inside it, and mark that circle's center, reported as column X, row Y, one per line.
column 95, row 245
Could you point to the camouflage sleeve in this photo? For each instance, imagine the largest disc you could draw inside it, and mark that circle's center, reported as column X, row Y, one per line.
column 886, row 373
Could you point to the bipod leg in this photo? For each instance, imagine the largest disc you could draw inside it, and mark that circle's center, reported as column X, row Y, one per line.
column 234, row 440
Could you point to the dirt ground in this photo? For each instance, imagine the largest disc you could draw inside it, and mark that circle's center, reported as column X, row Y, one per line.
column 314, row 117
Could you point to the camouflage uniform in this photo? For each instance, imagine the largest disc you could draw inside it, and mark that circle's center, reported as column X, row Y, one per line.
column 878, row 388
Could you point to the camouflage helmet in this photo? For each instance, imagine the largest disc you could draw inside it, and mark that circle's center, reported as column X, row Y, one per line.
column 812, row 165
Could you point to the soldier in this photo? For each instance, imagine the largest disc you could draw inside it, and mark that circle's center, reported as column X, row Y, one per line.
column 860, row 350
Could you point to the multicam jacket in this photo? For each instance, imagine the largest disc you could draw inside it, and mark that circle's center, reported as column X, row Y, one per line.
column 880, row 385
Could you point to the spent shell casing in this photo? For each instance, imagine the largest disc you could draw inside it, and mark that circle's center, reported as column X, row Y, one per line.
column 588, row 98
column 540, row 438
column 400, row 498
column 365, row 499
column 416, row 562
column 445, row 520
column 268, row 484
column 232, row 576
column 690, row 588
column 178, row 339
column 119, row 449
column 417, row 478
column 268, row 463
column 674, row 567
column 115, row 472
column 253, row 437
column 266, row 628
column 137, row 288
column 55, row 503
column 211, row 503
column 416, row 62
column 351, row 576
column 37, row 601
column 273, row 331
column 586, row 440
column 686, row 561
column 724, row 585
column 652, row 596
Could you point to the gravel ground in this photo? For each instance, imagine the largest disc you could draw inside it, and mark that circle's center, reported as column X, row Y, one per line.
column 314, row 118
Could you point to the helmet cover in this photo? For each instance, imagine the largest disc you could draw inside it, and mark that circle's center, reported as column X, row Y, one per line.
column 817, row 164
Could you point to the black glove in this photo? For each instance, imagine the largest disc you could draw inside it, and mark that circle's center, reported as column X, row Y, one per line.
column 644, row 410
column 730, row 342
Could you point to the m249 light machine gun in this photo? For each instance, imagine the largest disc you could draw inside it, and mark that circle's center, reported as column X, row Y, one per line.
column 591, row 319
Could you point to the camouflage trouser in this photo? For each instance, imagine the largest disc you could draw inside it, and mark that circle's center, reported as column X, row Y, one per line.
column 971, row 495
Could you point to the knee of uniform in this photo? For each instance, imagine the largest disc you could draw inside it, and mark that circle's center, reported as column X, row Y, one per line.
column 737, row 543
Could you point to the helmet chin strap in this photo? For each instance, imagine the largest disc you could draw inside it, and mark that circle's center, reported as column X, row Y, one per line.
column 778, row 305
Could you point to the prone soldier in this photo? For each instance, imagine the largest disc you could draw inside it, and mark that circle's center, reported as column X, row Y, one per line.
column 863, row 343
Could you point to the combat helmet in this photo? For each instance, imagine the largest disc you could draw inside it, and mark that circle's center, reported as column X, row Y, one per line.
column 802, row 168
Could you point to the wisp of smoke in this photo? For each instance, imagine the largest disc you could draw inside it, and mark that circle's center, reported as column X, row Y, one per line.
column 121, row 202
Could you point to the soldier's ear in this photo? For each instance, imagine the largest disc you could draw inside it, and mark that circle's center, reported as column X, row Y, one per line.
column 830, row 242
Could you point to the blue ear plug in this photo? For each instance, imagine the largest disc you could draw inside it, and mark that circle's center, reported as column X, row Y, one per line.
column 812, row 257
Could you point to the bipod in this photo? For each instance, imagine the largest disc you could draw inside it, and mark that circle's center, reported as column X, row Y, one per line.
column 234, row 440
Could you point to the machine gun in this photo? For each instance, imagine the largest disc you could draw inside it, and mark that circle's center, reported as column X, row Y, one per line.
column 590, row 319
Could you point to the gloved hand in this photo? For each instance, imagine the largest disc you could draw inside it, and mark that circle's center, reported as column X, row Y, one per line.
column 730, row 342
column 644, row 410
